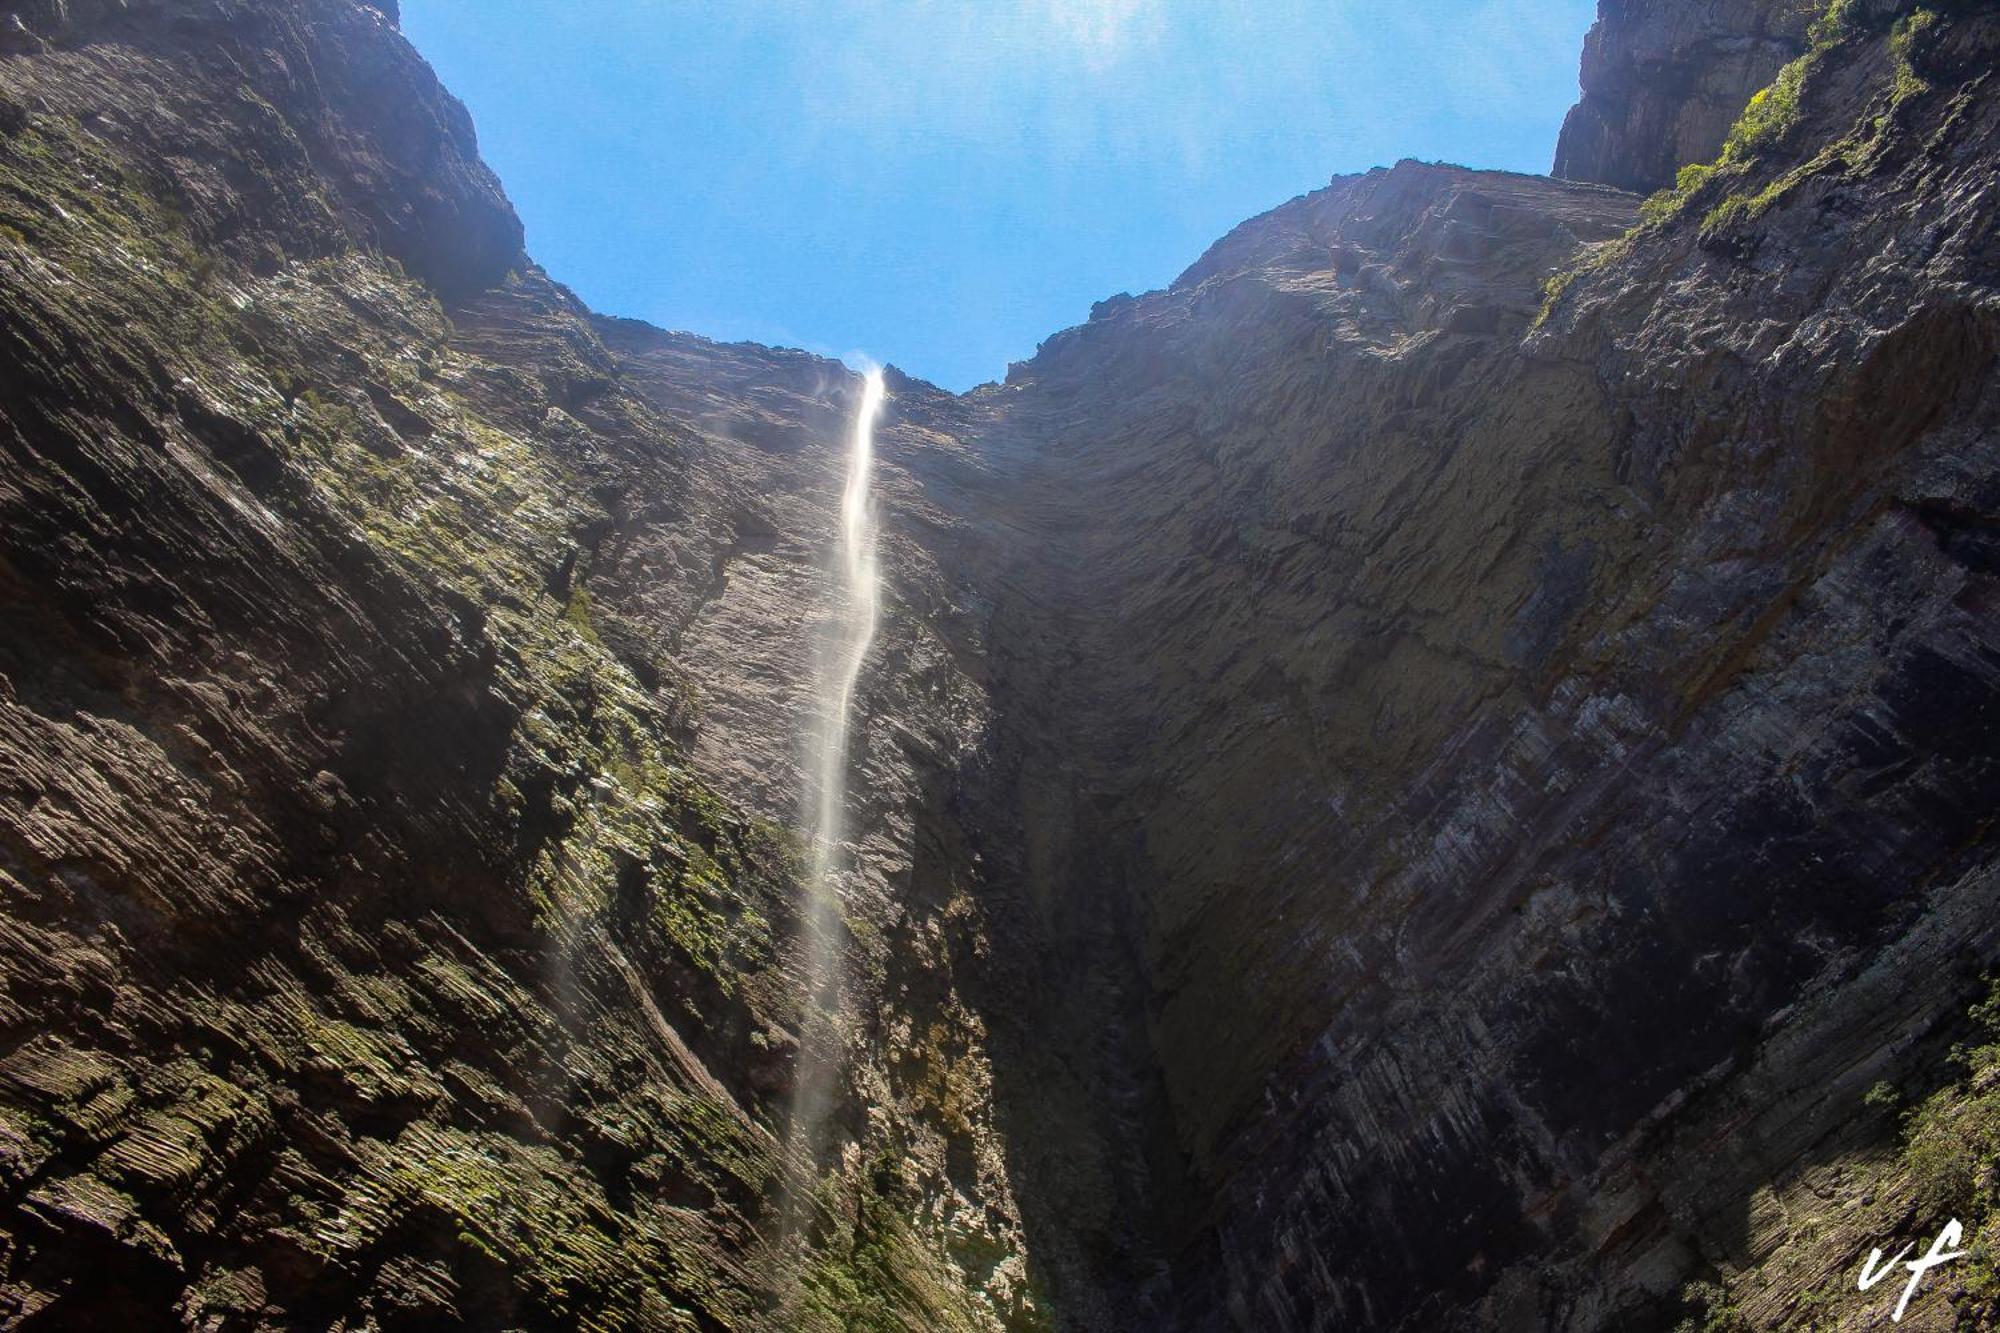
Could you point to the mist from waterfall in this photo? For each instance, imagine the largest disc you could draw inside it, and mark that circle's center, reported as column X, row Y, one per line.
column 842, row 650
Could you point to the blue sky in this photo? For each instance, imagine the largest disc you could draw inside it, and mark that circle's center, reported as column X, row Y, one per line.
column 940, row 185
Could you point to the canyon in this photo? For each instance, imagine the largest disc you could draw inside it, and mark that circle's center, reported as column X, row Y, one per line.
column 1436, row 773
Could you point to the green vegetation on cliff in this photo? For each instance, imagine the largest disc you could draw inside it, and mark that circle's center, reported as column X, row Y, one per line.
column 445, row 987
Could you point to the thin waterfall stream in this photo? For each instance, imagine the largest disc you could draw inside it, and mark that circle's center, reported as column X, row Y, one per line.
column 843, row 648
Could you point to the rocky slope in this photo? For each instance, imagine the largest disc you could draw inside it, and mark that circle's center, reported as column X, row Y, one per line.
column 1414, row 779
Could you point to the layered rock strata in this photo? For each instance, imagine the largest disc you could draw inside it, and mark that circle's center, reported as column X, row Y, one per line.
column 1413, row 779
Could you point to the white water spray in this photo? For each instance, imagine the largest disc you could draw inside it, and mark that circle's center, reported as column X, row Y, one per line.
column 854, row 631
column 842, row 651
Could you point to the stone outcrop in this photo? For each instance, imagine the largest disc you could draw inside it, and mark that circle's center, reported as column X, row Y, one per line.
column 1417, row 778
column 1663, row 80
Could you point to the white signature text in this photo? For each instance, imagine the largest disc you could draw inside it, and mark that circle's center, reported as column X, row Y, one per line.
column 1875, row 1270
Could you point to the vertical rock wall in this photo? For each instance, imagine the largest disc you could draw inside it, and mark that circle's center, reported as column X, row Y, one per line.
column 1413, row 779
column 1663, row 80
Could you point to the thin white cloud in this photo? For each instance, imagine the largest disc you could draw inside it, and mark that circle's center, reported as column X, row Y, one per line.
column 1101, row 31
column 1180, row 88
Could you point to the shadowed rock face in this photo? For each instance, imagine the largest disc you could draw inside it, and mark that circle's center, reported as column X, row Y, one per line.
column 1663, row 80
column 1384, row 796
column 1466, row 709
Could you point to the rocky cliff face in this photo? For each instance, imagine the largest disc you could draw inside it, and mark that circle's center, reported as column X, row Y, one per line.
column 383, row 945
column 1663, row 80
column 1474, row 702
column 1413, row 779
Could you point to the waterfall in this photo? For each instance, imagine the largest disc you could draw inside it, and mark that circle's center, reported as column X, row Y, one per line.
column 852, row 632
column 842, row 650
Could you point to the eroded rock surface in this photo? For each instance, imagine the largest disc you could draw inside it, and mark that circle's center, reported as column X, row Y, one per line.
column 1544, row 742
column 1413, row 779
column 384, row 947
column 1663, row 80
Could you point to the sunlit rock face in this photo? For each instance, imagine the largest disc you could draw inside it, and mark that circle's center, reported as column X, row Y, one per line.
column 1387, row 791
column 399, row 736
